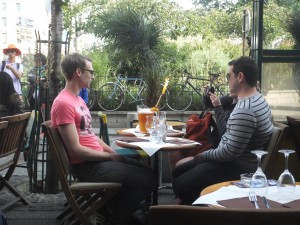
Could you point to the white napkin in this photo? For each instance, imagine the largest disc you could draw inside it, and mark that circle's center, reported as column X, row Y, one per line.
column 151, row 147
column 233, row 191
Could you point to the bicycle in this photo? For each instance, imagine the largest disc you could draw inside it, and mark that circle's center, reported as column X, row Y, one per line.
column 180, row 95
column 111, row 96
column 92, row 98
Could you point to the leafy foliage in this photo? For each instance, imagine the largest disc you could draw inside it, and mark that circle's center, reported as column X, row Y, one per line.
column 213, row 30
column 293, row 26
column 132, row 39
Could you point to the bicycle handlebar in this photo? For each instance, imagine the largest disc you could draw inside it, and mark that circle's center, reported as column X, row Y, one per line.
column 214, row 75
column 124, row 77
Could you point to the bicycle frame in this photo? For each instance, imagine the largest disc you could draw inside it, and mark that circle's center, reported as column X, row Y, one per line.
column 112, row 95
column 181, row 95
column 120, row 81
column 189, row 77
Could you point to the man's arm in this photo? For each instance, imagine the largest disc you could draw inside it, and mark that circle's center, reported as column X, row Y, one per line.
column 105, row 146
column 18, row 73
column 219, row 113
column 240, row 129
column 71, row 141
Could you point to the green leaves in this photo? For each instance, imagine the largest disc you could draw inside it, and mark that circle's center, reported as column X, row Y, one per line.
column 132, row 40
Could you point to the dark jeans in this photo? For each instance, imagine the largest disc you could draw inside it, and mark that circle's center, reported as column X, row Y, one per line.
column 2, row 219
column 136, row 178
column 190, row 179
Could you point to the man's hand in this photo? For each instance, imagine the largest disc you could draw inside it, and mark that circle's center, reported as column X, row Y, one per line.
column 198, row 158
column 214, row 99
column 184, row 160
column 9, row 66
column 118, row 158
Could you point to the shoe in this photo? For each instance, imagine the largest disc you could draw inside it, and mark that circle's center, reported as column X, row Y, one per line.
column 99, row 218
column 179, row 201
column 144, row 206
column 139, row 217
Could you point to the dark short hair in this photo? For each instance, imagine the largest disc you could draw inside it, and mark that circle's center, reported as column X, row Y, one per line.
column 71, row 62
column 40, row 57
column 248, row 67
column 6, row 87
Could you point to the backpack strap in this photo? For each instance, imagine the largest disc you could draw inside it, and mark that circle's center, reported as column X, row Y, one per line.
column 3, row 65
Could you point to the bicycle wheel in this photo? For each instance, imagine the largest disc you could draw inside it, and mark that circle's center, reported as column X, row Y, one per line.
column 92, row 98
column 179, row 98
column 163, row 101
column 110, row 97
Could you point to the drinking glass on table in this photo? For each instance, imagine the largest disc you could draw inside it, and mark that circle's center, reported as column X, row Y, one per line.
column 142, row 113
column 162, row 127
column 259, row 182
column 286, row 182
column 151, row 126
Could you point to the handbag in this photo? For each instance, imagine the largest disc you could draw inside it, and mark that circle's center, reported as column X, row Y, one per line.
column 198, row 128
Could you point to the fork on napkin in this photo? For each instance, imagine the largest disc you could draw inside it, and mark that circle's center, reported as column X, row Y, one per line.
column 245, row 203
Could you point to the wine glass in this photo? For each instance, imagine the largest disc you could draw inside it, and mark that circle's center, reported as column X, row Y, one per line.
column 259, row 182
column 286, row 182
column 162, row 127
column 151, row 126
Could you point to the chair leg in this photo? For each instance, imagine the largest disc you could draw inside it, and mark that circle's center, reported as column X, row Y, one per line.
column 68, row 214
column 18, row 196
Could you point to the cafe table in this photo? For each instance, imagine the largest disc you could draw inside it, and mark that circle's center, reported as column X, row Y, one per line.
column 132, row 132
column 177, row 125
column 152, row 149
column 231, row 195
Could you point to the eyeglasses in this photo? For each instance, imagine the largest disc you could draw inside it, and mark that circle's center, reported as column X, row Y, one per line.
column 91, row 71
column 10, row 51
column 228, row 76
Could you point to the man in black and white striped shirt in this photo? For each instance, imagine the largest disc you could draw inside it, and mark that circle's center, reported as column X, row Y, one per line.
column 249, row 128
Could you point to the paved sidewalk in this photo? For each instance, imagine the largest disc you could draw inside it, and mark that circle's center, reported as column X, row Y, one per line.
column 44, row 208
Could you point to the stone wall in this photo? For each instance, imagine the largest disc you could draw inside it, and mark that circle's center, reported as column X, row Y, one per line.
column 283, row 103
column 122, row 119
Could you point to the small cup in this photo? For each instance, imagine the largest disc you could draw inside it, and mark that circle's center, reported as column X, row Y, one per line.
column 246, row 178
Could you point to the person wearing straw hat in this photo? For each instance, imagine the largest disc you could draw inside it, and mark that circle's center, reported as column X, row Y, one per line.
column 10, row 66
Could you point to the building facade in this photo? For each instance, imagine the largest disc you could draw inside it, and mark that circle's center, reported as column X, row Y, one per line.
column 20, row 20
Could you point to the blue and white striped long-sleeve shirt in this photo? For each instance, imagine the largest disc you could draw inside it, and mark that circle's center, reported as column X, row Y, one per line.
column 249, row 128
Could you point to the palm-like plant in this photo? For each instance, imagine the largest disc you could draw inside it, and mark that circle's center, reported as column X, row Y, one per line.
column 293, row 26
column 132, row 39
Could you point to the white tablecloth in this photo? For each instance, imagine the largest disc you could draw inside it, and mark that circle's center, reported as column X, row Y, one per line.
column 233, row 191
column 152, row 147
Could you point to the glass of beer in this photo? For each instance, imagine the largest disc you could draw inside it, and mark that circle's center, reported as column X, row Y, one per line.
column 142, row 113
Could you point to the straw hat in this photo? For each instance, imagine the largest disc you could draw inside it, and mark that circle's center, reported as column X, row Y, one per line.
column 12, row 47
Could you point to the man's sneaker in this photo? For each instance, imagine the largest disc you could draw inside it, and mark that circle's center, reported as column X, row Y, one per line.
column 99, row 218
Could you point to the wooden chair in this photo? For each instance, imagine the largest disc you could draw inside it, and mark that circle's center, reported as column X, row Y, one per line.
column 10, row 148
column 269, row 160
column 195, row 215
column 294, row 124
column 83, row 198
column 3, row 126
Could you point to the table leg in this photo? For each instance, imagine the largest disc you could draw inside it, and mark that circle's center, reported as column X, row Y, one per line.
column 156, row 172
